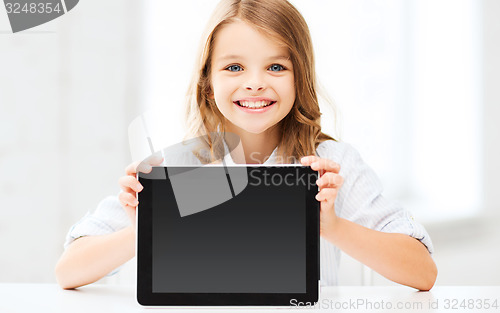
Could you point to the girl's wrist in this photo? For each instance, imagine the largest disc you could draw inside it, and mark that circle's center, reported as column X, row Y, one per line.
column 130, row 234
column 334, row 231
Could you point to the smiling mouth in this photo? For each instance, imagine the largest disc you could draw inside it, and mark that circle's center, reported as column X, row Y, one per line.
column 254, row 104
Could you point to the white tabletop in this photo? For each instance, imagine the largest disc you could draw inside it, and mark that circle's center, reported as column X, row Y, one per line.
column 51, row 298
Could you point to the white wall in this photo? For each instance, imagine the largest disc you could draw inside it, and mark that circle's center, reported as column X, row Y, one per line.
column 68, row 90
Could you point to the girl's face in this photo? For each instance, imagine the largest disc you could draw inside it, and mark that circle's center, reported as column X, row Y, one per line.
column 252, row 78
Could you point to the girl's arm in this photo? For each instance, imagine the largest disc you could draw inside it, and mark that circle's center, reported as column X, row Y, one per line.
column 90, row 258
column 398, row 257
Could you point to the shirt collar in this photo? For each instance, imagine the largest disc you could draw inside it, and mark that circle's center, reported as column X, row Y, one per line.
column 228, row 160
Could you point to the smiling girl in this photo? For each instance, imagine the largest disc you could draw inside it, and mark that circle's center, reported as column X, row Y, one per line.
column 256, row 79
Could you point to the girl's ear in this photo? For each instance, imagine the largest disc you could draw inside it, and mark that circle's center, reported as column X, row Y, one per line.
column 211, row 95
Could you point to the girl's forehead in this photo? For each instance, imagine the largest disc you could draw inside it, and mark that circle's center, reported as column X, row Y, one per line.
column 242, row 39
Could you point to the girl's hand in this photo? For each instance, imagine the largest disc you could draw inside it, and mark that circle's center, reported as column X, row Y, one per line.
column 329, row 184
column 130, row 185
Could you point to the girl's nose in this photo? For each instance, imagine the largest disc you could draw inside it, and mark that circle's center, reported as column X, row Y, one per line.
column 255, row 83
column 254, row 87
column 250, row 88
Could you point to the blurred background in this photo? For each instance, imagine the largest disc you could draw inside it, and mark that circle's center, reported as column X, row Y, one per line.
column 415, row 84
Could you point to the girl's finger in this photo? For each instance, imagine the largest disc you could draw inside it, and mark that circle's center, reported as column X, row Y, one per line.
column 330, row 180
column 131, row 169
column 127, row 190
column 129, row 182
column 307, row 160
column 325, row 165
column 144, row 166
column 127, row 199
column 327, row 194
column 153, row 160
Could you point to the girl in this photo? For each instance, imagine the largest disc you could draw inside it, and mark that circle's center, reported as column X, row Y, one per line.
column 255, row 78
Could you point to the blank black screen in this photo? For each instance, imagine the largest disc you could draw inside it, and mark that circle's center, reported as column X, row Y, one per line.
column 253, row 243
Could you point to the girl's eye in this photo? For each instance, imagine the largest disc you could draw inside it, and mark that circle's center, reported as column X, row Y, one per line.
column 276, row 67
column 234, row 68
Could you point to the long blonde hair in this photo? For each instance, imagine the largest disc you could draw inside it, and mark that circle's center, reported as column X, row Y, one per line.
column 282, row 22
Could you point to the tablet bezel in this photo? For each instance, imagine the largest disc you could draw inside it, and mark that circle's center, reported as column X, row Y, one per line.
column 146, row 297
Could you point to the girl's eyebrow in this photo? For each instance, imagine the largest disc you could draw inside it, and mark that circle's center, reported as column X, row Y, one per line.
column 234, row 56
column 280, row 57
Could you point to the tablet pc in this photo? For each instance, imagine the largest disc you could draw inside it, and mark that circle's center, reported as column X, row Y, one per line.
column 228, row 235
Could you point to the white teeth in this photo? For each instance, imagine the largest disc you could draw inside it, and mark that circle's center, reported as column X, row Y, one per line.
column 254, row 104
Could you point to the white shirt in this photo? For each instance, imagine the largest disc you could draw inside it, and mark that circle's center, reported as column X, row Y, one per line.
column 359, row 200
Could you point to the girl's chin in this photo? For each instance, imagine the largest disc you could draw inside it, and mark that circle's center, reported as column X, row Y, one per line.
column 251, row 129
